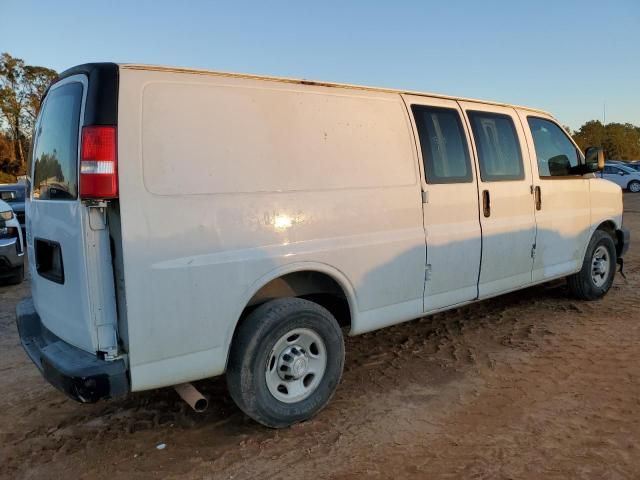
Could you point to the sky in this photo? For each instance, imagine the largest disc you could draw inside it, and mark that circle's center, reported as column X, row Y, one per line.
column 569, row 57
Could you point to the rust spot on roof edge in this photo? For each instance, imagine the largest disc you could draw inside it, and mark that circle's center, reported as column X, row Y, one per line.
column 298, row 81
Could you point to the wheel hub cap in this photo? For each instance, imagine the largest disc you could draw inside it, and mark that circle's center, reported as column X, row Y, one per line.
column 296, row 365
column 600, row 266
column 293, row 363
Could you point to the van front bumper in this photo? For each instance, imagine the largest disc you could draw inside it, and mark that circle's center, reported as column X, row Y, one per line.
column 79, row 374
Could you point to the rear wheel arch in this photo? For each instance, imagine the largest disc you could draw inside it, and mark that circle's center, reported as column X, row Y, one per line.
column 319, row 283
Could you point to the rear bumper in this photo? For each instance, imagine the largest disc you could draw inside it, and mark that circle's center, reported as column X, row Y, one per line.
column 11, row 255
column 79, row 374
column 624, row 239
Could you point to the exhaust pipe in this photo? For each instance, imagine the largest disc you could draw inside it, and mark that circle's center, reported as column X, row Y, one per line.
column 192, row 396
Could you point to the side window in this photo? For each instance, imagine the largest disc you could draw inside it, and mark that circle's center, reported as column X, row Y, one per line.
column 444, row 148
column 556, row 155
column 499, row 153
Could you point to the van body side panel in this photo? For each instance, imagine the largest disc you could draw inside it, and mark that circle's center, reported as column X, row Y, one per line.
column 603, row 208
column 224, row 181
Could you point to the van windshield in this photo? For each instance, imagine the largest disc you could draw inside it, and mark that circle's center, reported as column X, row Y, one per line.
column 55, row 172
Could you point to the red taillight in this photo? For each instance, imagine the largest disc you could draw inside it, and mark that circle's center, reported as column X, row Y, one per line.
column 98, row 162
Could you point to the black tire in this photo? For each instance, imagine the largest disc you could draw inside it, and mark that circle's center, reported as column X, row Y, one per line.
column 251, row 350
column 634, row 186
column 18, row 277
column 582, row 285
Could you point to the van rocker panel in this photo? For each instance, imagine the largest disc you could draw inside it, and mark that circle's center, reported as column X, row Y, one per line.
column 80, row 375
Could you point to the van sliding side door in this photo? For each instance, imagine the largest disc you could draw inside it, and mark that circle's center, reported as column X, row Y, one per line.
column 505, row 196
column 450, row 202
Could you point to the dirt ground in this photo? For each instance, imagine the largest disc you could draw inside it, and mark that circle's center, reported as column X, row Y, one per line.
column 530, row 385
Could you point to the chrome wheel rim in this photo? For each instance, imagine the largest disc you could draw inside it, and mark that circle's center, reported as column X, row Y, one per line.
column 634, row 187
column 600, row 266
column 296, row 365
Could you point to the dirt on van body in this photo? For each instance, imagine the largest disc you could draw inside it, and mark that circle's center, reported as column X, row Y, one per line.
column 530, row 385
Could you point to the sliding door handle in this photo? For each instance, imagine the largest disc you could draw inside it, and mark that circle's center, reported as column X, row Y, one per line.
column 486, row 203
column 538, row 198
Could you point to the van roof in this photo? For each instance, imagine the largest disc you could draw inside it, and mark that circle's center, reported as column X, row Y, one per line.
column 133, row 66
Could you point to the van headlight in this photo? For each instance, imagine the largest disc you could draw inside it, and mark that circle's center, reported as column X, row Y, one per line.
column 8, row 215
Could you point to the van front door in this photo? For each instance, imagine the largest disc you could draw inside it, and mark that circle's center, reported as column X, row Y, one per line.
column 506, row 198
column 450, row 202
column 563, row 213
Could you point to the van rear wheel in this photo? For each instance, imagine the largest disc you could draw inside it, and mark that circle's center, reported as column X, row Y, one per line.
column 598, row 269
column 286, row 361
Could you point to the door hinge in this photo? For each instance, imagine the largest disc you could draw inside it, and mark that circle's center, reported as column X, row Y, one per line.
column 97, row 214
column 425, row 197
column 427, row 272
column 108, row 341
column 533, row 251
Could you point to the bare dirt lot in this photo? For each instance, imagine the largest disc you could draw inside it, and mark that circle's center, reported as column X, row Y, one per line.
column 530, row 385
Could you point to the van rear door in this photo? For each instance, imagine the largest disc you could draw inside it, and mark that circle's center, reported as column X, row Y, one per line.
column 68, row 239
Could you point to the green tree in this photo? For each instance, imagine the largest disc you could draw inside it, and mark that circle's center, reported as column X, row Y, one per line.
column 621, row 141
column 21, row 88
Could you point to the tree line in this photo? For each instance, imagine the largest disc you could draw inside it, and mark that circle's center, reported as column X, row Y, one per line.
column 22, row 87
column 620, row 141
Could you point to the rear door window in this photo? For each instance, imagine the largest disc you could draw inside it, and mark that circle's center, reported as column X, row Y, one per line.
column 499, row 153
column 444, row 148
column 55, row 171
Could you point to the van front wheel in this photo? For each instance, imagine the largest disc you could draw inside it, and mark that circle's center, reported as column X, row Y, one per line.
column 598, row 268
column 285, row 362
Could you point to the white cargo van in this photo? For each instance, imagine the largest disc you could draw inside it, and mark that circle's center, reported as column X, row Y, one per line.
column 183, row 224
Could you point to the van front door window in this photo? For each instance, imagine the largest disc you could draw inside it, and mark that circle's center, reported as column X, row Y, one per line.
column 555, row 153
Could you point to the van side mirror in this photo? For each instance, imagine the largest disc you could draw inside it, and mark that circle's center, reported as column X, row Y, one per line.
column 594, row 159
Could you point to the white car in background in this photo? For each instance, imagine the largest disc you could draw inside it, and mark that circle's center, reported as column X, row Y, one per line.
column 11, row 246
column 627, row 177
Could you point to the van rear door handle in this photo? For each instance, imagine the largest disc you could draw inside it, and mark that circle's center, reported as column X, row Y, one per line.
column 538, row 198
column 486, row 203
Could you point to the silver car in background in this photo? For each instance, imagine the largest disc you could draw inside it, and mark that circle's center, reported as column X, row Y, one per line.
column 11, row 246
column 627, row 177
